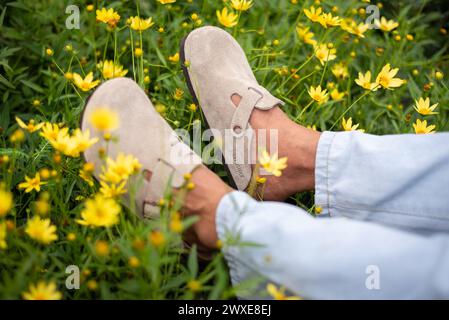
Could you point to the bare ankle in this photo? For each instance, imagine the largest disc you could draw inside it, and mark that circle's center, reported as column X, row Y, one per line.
column 295, row 142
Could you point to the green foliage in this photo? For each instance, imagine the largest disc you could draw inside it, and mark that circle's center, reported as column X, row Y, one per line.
column 33, row 86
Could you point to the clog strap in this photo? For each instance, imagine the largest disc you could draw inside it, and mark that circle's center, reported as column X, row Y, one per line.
column 254, row 97
column 169, row 172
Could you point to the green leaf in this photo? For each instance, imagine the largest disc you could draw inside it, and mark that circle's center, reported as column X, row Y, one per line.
column 2, row 17
column 6, row 82
column 33, row 86
column 14, row 152
column 193, row 262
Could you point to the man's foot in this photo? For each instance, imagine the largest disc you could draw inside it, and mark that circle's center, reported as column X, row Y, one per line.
column 295, row 142
column 203, row 202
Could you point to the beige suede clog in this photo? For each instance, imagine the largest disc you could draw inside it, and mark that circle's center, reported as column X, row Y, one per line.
column 144, row 134
column 216, row 68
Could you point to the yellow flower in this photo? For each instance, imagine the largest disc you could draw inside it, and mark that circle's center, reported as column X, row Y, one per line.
column 31, row 126
column 107, row 136
column 365, row 81
column 386, row 77
column 192, row 107
column 317, row 94
column 10, row 225
column 87, row 170
column 138, row 52
column 111, row 70
column 242, row 5
column 81, row 141
column 336, row 95
column 73, row 146
column 178, row 94
column 386, row 25
column 6, row 202
column 87, row 83
column 86, row 173
column 422, row 128
column 120, row 169
column 134, row 262
column 313, row 14
column 52, row 131
column 49, row 52
column 139, row 24
column 279, row 294
column 340, row 71
column 194, row 285
column 42, row 206
column 42, row 291
column 71, row 236
column 45, row 173
column 347, row 125
column 92, row 285
column 101, row 248
column 31, row 184
column 108, row 16
column 176, row 224
column 90, row 7
column 4, row 159
column 261, row 180
column 166, row 1
column 3, row 234
column 17, row 136
column 41, row 230
column 59, row 139
column 190, row 186
column 112, row 190
column 272, row 164
column 157, row 238
column 423, row 107
column 138, row 244
column 174, row 58
column 324, row 54
column 100, row 212
column 359, row 29
column 305, row 35
column 327, row 20
column 104, row 119
column 228, row 20
column 36, row 103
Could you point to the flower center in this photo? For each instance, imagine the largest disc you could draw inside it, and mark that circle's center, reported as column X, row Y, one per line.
column 384, row 81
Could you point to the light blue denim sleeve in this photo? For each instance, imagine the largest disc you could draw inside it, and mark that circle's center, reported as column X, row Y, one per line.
column 400, row 180
column 336, row 258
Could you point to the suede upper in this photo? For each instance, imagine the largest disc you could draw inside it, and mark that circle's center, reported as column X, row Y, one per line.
column 217, row 68
column 144, row 134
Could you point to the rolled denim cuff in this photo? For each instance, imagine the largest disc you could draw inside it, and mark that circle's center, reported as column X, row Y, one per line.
column 229, row 211
column 322, row 192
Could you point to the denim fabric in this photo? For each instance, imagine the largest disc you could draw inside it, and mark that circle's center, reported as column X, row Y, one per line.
column 400, row 180
column 382, row 234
